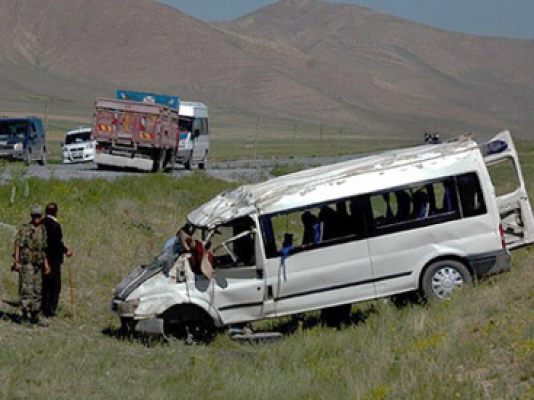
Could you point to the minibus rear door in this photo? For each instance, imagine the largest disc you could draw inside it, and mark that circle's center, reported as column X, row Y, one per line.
column 502, row 160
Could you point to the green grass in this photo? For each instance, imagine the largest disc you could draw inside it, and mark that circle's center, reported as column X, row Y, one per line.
column 478, row 345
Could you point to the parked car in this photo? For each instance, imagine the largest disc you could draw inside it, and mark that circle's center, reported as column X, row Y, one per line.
column 23, row 138
column 78, row 146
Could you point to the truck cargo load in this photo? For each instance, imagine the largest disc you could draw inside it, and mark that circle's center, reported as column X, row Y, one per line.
column 136, row 131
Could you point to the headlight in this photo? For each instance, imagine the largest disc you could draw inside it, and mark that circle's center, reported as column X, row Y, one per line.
column 18, row 146
column 89, row 146
column 127, row 308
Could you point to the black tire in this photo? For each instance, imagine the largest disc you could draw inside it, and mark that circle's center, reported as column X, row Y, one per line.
column 442, row 278
column 191, row 332
column 28, row 157
column 168, row 164
column 158, row 160
column 187, row 163
column 406, row 299
column 42, row 161
column 202, row 164
column 190, row 324
column 334, row 317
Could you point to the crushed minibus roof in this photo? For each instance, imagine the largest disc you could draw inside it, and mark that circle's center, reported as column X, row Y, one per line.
column 364, row 173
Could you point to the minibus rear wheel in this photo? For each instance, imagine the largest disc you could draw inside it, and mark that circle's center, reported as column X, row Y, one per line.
column 444, row 277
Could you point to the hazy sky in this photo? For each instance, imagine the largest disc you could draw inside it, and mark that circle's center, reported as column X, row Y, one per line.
column 511, row 18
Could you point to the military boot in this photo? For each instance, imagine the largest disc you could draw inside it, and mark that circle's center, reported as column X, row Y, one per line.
column 24, row 317
column 34, row 320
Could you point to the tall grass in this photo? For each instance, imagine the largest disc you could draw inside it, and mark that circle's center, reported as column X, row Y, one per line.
column 478, row 345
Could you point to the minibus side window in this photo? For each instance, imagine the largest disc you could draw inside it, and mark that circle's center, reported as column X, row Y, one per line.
column 314, row 226
column 471, row 197
column 413, row 206
column 205, row 128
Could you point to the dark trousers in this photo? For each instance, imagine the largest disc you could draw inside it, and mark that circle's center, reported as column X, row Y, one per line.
column 51, row 290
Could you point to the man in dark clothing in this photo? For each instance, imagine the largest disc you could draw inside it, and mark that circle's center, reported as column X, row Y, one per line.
column 55, row 251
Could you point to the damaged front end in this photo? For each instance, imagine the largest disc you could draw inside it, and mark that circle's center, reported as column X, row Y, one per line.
column 155, row 299
column 141, row 296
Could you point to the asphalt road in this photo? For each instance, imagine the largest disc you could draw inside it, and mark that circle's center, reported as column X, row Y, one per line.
column 236, row 171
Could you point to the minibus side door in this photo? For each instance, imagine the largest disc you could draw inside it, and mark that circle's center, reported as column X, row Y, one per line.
column 238, row 282
column 502, row 160
column 201, row 139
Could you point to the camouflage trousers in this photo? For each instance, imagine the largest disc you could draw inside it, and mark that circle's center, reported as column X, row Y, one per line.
column 31, row 287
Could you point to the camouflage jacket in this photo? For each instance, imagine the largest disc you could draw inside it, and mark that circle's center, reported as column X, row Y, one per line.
column 32, row 243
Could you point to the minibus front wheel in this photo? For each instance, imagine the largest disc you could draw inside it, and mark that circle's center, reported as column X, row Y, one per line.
column 444, row 277
column 189, row 323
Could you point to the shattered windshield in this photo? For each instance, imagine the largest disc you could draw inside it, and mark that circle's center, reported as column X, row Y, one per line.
column 78, row 137
column 13, row 129
column 169, row 254
column 229, row 245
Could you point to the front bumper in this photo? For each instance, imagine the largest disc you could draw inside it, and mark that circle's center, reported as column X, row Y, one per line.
column 130, row 323
column 12, row 154
column 72, row 156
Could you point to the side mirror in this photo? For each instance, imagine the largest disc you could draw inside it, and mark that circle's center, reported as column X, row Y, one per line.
column 61, row 144
column 197, row 133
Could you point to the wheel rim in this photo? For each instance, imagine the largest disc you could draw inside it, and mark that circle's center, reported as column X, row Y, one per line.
column 445, row 281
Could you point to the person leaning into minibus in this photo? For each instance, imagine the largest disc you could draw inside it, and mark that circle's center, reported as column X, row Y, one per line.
column 31, row 261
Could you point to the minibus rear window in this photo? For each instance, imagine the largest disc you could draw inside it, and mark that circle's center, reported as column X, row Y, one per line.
column 471, row 196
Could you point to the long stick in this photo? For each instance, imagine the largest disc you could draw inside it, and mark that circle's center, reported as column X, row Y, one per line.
column 69, row 264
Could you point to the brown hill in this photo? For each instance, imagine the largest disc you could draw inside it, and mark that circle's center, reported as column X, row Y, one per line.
column 372, row 64
column 301, row 59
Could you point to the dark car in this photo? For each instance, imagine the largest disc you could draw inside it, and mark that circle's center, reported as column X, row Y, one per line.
column 23, row 139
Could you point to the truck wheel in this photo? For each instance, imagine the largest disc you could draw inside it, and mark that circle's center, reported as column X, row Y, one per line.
column 158, row 160
column 443, row 278
column 202, row 164
column 187, row 163
column 28, row 157
column 42, row 161
column 168, row 163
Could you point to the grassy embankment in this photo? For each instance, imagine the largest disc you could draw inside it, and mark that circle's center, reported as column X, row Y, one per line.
column 479, row 345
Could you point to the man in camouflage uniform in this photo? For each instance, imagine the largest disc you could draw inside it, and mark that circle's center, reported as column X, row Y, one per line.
column 31, row 262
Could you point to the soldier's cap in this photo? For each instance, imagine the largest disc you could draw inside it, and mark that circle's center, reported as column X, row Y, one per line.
column 37, row 210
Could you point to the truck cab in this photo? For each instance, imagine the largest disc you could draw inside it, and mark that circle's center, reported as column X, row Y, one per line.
column 23, row 139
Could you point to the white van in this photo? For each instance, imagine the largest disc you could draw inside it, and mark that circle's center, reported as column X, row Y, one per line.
column 420, row 219
column 194, row 134
column 78, row 146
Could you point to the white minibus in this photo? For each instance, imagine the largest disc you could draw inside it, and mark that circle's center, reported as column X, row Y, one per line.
column 194, row 134
column 427, row 219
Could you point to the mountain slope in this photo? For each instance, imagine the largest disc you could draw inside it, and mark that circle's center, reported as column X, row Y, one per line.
column 298, row 59
column 381, row 63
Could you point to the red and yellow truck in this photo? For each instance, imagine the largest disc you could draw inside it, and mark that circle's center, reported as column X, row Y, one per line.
column 136, row 130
